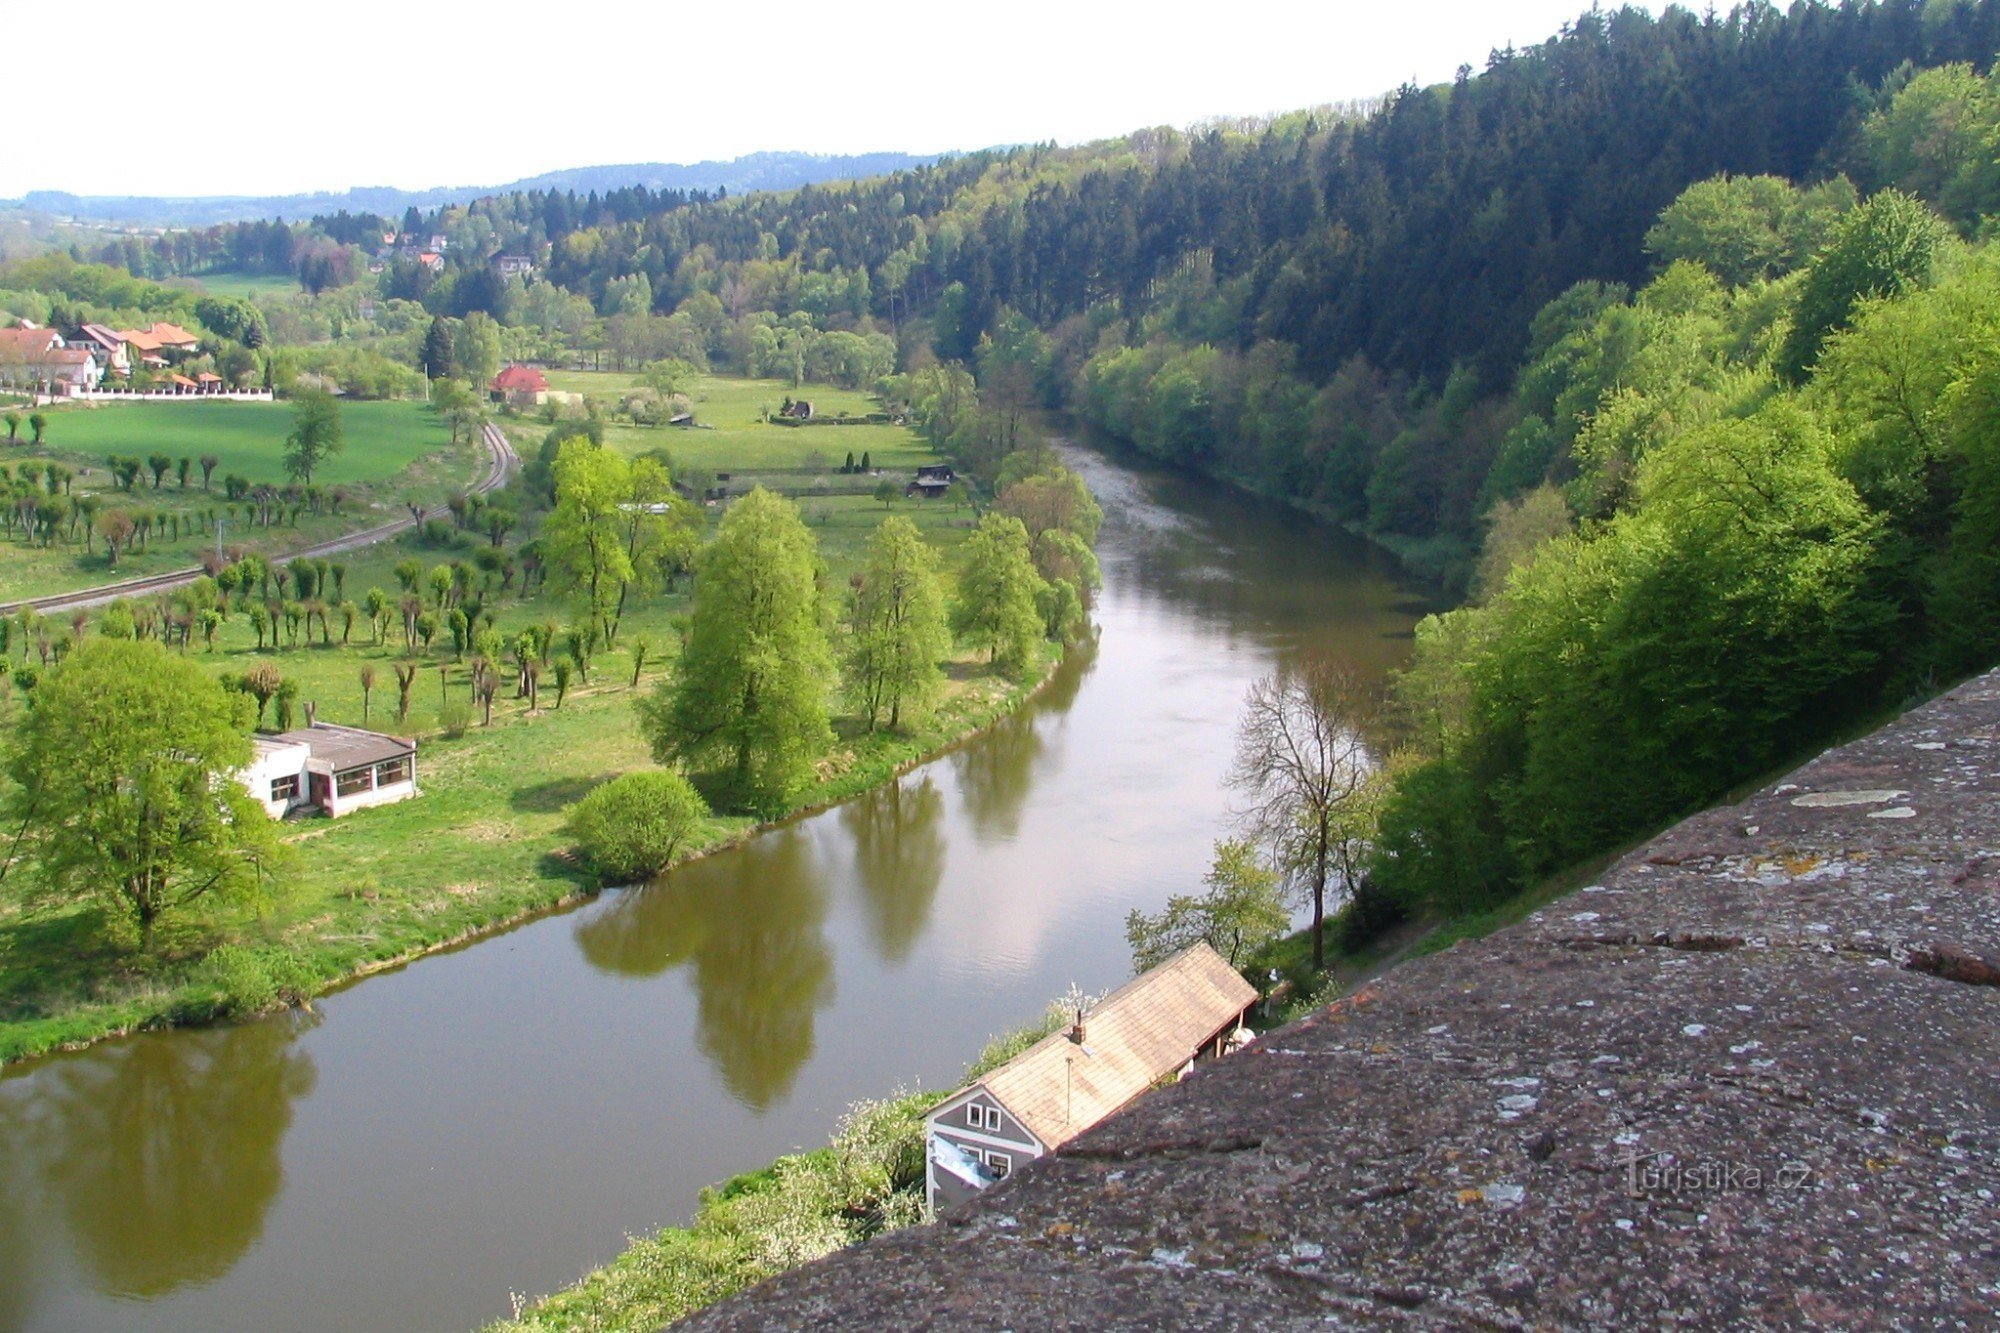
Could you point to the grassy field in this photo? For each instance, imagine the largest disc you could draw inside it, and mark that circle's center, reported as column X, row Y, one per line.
column 246, row 285
column 381, row 438
column 482, row 846
column 732, row 436
column 394, row 452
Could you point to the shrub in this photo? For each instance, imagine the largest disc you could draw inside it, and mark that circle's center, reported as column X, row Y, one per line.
column 236, row 981
column 631, row 827
column 455, row 718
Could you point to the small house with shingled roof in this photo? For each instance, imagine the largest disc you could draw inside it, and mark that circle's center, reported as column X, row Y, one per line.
column 1153, row 1028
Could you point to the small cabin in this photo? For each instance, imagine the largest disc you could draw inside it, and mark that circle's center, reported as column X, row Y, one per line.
column 330, row 768
column 1156, row 1026
column 800, row 410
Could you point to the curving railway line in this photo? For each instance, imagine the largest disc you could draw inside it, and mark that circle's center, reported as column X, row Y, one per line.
column 500, row 463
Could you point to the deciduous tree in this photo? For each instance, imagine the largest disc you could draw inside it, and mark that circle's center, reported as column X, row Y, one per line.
column 315, row 435
column 1302, row 769
column 750, row 691
column 126, row 788
column 897, row 627
column 996, row 608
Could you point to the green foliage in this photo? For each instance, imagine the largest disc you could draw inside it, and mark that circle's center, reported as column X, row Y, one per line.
column 1242, row 911
column 633, row 827
column 1886, row 247
column 316, row 435
column 750, row 690
column 801, row 1207
column 124, row 740
column 1938, row 138
column 996, row 609
column 1748, row 228
column 897, row 630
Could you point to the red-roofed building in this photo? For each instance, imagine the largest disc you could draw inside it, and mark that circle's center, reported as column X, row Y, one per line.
column 520, row 386
column 38, row 360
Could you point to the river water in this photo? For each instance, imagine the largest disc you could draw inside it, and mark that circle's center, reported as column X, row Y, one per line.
column 499, row 1119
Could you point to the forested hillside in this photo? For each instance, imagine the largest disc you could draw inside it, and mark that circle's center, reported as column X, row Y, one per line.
column 1329, row 306
column 1667, row 342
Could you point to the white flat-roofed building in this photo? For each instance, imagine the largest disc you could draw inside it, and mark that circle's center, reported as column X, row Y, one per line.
column 332, row 768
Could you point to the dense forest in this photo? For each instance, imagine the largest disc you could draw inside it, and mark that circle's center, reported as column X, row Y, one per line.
column 1666, row 342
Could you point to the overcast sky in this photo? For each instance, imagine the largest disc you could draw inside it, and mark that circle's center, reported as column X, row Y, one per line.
column 232, row 98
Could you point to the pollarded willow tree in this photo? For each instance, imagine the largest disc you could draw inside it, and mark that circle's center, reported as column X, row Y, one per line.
column 751, row 689
column 898, row 633
column 125, row 786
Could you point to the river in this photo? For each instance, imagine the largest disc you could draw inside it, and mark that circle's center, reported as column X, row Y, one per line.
column 500, row 1118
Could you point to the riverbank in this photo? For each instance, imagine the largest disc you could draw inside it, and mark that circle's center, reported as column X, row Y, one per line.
column 868, row 1179
column 480, row 852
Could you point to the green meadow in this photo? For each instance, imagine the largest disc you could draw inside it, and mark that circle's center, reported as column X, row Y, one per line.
column 394, row 452
column 484, row 843
column 381, row 438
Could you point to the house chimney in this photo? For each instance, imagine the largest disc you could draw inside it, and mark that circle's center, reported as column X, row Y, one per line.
column 1076, row 1029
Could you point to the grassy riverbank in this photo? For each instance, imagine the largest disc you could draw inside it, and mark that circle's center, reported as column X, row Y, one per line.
column 483, row 848
column 869, row 1179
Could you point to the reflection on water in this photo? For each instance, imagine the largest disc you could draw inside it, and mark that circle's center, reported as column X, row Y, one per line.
column 996, row 775
column 161, row 1155
column 500, row 1118
column 898, row 837
column 752, row 923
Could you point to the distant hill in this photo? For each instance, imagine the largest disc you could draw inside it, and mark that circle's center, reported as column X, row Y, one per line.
column 758, row 171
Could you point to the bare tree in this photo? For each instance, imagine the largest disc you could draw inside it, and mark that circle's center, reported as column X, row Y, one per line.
column 1303, row 773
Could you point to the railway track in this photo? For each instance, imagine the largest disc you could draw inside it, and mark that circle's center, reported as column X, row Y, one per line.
column 501, row 461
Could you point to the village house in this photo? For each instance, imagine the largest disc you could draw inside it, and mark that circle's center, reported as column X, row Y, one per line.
column 515, row 266
column 152, row 348
column 40, row 360
column 520, row 386
column 331, row 768
column 1154, row 1027
column 105, row 347
column 933, row 480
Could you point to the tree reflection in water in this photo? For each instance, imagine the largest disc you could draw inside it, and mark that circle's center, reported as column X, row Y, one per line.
column 163, row 1154
column 899, row 856
column 997, row 771
column 752, row 922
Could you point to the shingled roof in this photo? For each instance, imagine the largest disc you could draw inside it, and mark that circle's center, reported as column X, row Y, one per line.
column 1136, row 1036
column 1747, row 1079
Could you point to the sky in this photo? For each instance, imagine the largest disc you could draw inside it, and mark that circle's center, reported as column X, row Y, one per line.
column 286, row 98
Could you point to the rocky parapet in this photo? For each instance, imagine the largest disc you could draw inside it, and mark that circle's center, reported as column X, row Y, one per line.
column 1751, row 1077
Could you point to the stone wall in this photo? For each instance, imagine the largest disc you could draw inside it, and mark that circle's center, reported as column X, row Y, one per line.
column 1752, row 1077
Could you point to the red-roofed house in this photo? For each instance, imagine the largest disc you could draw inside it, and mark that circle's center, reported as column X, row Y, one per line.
column 520, row 386
column 39, row 360
column 104, row 344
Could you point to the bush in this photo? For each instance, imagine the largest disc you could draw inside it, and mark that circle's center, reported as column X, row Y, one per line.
column 631, row 827
column 237, row 982
column 455, row 718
